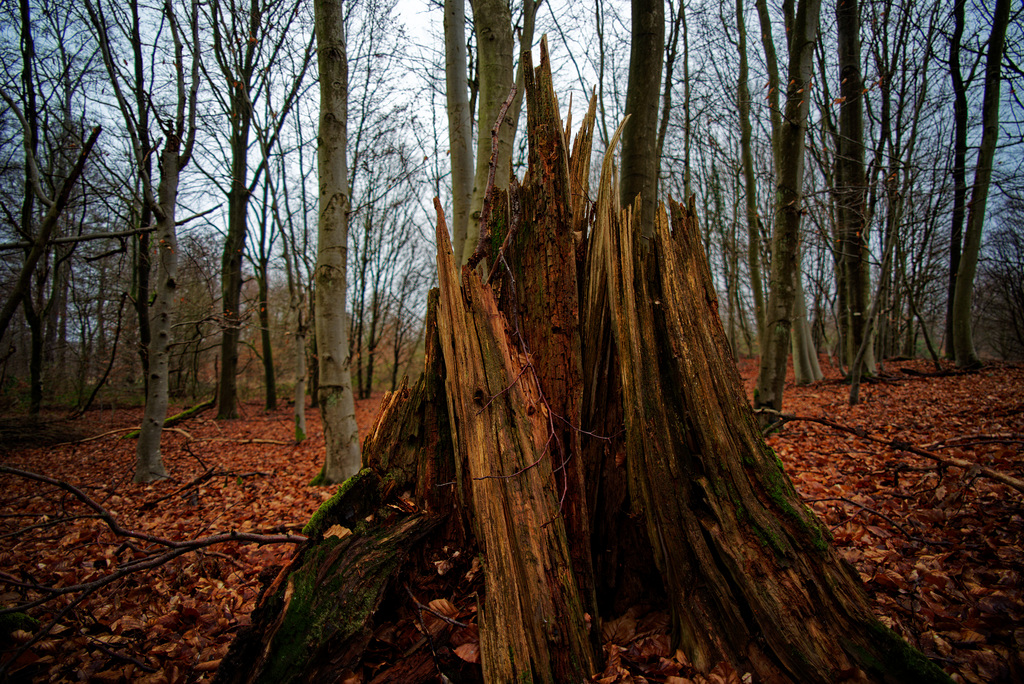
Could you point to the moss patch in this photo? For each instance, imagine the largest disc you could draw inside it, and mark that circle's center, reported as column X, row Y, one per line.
column 357, row 497
column 328, row 603
column 11, row 622
column 781, row 491
column 893, row 658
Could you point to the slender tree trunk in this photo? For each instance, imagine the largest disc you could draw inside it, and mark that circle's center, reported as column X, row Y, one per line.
column 963, row 337
column 956, row 229
column 140, row 295
column 300, row 378
column 749, row 181
column 149, row 464
column 337, row 404
column 805, row 356
column 460, row 120
column 232, row 257
column 295, row 306
column 789, row 207
column 265, row 342
column 851, row 211
column 35, row 364
column 493, row 22
column 640, row 160
column 313, row 359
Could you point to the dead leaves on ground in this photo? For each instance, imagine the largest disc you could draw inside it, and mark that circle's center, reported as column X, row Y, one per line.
column 172, row 624
column 939, row 549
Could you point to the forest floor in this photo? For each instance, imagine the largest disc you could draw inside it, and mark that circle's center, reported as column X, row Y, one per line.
column 940, row 549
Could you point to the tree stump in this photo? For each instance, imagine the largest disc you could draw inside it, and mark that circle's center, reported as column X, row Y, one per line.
column 580, row 430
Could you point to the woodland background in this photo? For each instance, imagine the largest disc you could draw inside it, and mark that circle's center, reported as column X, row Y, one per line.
column 80, row 326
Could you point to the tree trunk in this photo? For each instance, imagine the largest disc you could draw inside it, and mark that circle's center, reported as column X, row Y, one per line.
column 231, row 259
column 141, row 275
column 149, row 465
column 805, row 356
column 746, row 568
column 956, row 227
column 337, row 404
column 269, row 379
column 749, row 181
column 640, row 136
column 493, row 22
column 789, row 165
column 460, row 120
column 963, row 338
column 300, row 377
column 35, row 364
column 851, row 212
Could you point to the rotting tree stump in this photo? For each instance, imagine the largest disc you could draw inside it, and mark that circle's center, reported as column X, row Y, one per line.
column 580, row 430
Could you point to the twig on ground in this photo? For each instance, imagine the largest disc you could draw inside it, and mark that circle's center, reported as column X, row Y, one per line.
column 900, row 445
column 881, row 515
column 154, row 558
column 121, row 656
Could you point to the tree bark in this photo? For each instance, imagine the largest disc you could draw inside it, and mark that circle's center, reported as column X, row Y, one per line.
column 337, row 404
column 963, row 337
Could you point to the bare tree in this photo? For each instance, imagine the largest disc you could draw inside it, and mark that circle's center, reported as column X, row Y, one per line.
column 337, row 404
column 179, row 131
column 963, row 338
column 802, row 29
column 249, row 40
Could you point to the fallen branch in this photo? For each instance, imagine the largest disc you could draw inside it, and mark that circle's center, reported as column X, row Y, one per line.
column 198, row 480
column 99, row 436
column 178, row 417
column 195, row 482
column 899, row 445
column 883, row 516
column 251, row 440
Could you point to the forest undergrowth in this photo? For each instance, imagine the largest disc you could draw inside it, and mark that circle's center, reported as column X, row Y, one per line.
column 939, row 549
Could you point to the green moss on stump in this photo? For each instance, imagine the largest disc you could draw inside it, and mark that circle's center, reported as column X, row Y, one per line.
column 894, row 658
column 327, row 604
column 357, row 497
column 781, row 491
